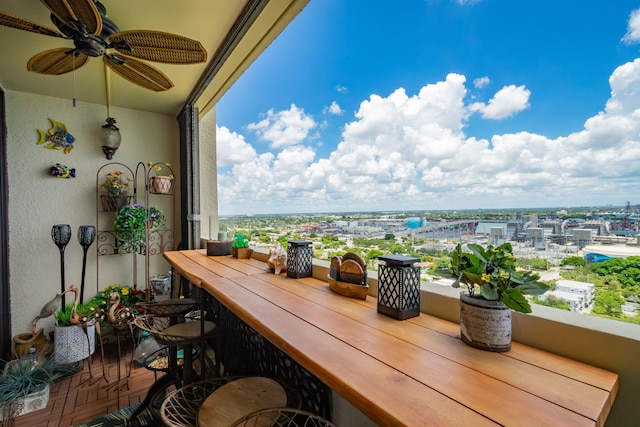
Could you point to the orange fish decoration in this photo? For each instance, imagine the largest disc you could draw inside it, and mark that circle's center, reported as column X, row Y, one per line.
column 57, row 138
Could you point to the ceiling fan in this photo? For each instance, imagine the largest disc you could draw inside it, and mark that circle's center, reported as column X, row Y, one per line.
column 94, row 34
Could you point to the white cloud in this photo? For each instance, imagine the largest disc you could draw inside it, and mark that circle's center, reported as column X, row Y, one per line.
column 633, row 29
column 284, row 128
column 405, row 151
column 232, row 148
column 342, row 89
column 334, row 109
column 481, row 82
column 507, row 102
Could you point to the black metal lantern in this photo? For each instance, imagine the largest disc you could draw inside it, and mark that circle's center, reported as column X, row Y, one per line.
column 61, row 235
column 299, row 256
column 398, row 286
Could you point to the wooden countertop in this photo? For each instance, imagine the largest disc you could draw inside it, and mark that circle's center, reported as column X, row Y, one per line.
column 414, row 372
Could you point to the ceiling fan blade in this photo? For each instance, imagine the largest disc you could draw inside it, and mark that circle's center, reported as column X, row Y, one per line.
column 56, row 62
column 139, row 73
column 12, row 21
column 162, row 47
column 83, row 11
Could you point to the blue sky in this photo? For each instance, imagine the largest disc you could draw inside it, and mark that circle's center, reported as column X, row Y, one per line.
column 437, row 104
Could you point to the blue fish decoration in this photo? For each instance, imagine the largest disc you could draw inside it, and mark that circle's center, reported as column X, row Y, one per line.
column 57, row 138
column 62, row 171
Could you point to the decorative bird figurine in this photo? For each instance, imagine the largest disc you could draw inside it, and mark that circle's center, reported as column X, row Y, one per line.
column 50, row 308
column 121, row 318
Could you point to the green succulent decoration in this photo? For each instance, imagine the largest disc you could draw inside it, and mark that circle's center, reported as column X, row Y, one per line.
column 131, row 223
column 491, row 274
column 240, row 241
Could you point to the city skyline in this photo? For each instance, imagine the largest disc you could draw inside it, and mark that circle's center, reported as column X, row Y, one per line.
column 436, row 105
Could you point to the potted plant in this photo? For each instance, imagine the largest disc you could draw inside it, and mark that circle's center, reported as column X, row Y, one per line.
column 161, row 182
column 24, row 385
column 131, row 225
column 494, row 288
column 240, row 247
column 74, row 333
column 114, row 191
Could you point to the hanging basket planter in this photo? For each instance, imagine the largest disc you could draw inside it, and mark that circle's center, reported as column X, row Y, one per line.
column 111, row 203
column 161, row 184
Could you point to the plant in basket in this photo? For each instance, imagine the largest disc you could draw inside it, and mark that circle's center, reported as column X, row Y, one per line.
column 161, row 182
column 131, row 225
column 115, row 191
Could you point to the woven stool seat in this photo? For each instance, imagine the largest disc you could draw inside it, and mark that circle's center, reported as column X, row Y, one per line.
column 178, row 334
column 180, row 407
column 239, row 398
column 282, row 417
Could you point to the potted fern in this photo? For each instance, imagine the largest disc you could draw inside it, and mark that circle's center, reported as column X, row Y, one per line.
column 493, row 288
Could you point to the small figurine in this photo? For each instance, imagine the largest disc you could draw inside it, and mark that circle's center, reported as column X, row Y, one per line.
column 58, row 138
column 277, row 259
column 62, row 171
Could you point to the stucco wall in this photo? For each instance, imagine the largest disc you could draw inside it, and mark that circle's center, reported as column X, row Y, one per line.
column 208, row 178
column 37, row 200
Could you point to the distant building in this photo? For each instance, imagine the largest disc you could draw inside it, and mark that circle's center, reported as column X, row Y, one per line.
column 579, row 295
column 598, row 253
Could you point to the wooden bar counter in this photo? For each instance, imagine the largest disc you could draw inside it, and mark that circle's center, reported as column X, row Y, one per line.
column 414, row 372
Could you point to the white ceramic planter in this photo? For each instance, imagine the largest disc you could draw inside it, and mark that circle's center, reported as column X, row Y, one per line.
column 72, row 344
column 31, row 402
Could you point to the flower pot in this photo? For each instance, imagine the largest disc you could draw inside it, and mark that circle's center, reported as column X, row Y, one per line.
column 111, row 203
column 161, row 185
column 485, row 324
column 241, row 253
column 21, row 343
column 73, row 343
column 30, row 403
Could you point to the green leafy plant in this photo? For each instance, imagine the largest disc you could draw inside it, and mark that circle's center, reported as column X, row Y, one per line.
column 240, row 241
column 115, row 184
column 491, row 274
column 131, row 223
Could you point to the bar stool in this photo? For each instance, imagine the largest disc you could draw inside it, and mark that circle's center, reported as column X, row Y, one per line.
column 166, row 323
column 181, row 407
column 282, row 417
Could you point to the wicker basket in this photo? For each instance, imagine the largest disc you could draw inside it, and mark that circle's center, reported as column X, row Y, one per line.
column 350, row 290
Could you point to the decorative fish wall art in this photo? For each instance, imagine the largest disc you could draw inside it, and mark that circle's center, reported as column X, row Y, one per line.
column 62, row 171
column 57, row 138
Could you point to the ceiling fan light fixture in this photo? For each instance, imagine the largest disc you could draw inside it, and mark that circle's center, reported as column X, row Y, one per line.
column 111, row 138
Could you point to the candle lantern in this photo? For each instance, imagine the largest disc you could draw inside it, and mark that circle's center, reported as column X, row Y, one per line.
column 299, row 257
column 398, row 286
